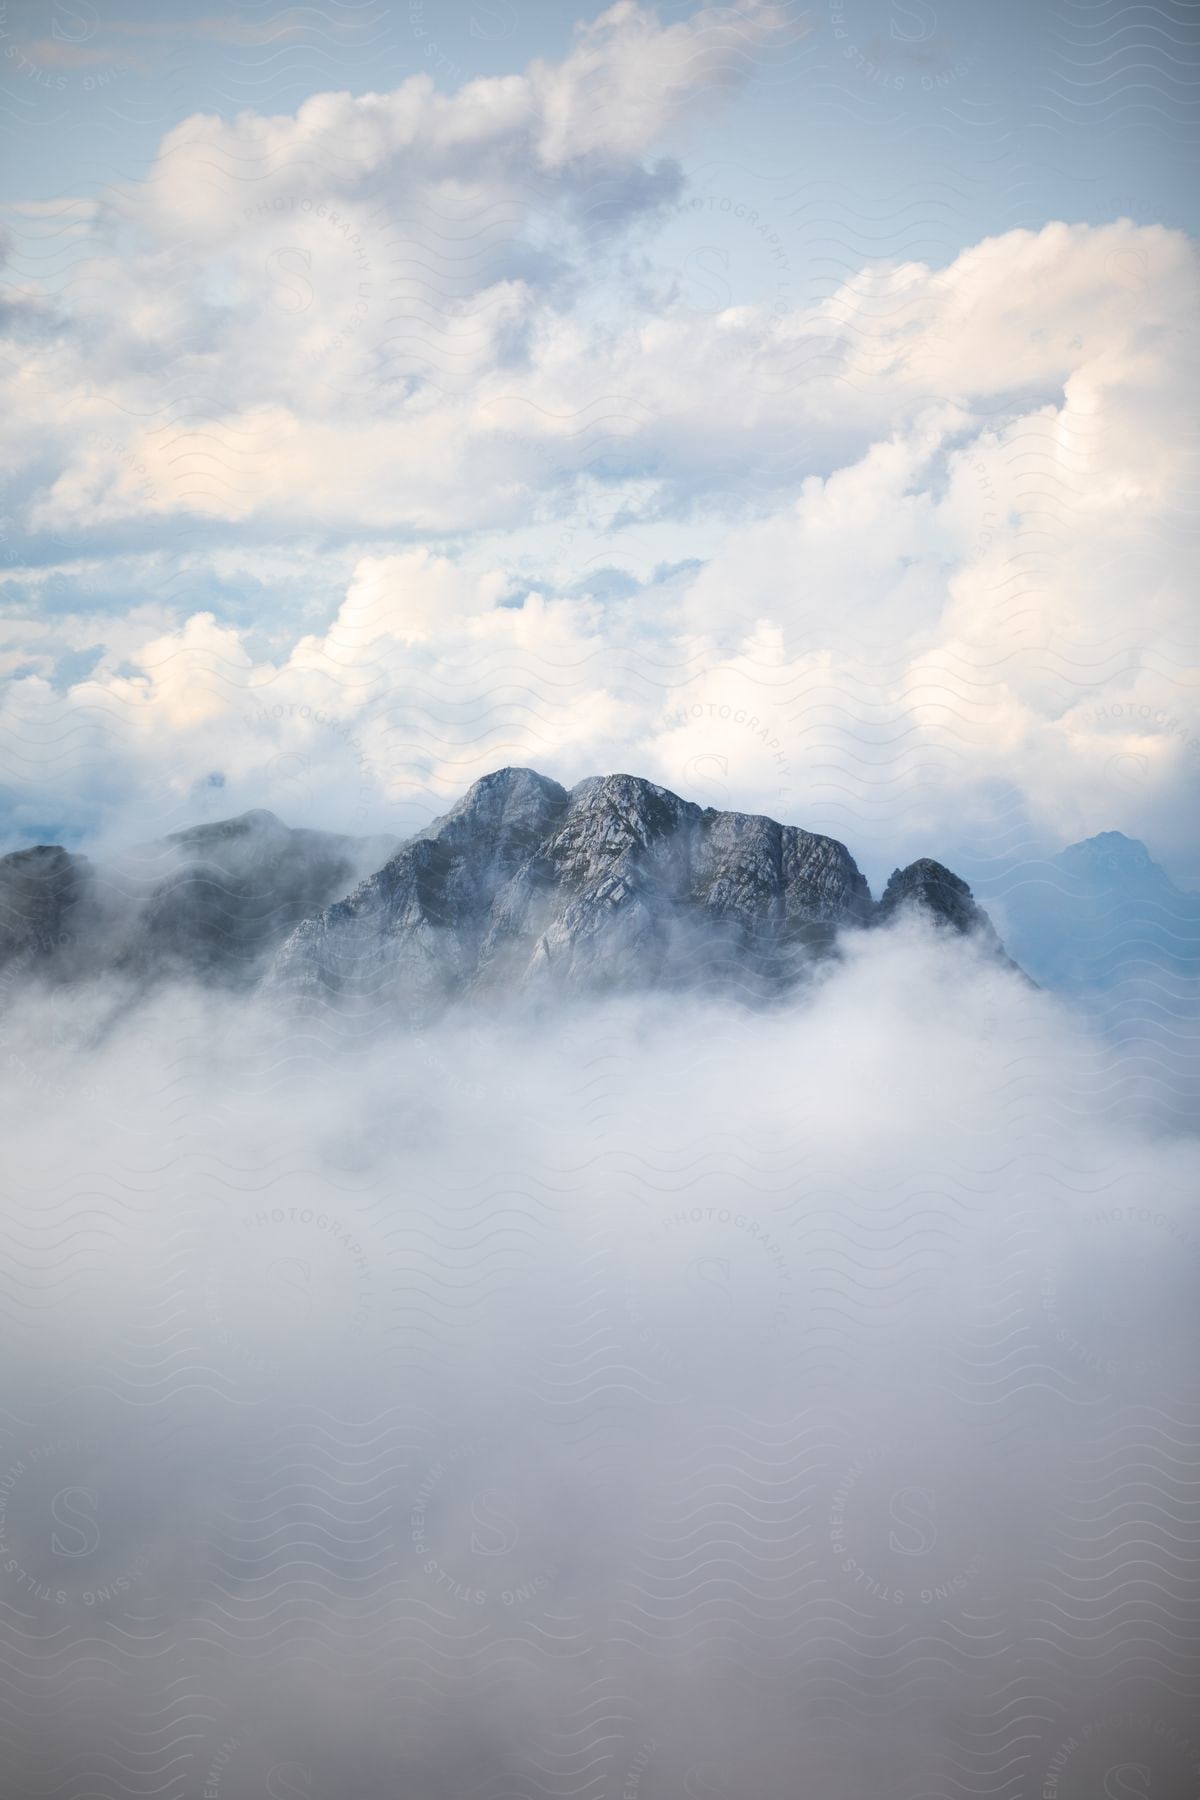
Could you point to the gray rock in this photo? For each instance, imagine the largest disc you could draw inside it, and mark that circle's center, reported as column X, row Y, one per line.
column 933, row 891
column 413, row 930
column 619, row 884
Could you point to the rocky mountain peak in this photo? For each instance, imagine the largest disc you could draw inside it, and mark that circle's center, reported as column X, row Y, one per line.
column 509, row 811
column 648, row 809
column 506, row 799
column 934, row 890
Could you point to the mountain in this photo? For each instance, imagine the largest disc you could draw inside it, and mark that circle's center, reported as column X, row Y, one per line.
column 213, row 902
column 1101, row 917
column 47, row 898
column 1110, row 859
column 523, row 886
column 933, row 888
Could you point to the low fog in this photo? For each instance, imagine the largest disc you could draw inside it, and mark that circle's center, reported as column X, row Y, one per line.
column 627, row 1401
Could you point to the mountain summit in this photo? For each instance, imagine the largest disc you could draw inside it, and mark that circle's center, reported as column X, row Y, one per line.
column 1112, row 860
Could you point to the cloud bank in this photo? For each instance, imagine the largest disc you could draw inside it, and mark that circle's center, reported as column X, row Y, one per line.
column 660, row 1398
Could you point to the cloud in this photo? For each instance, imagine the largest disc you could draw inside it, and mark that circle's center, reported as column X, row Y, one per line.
column 309, row 294
column 933, row 634
column 936, row 514
column 611, row 1380
column 320, row 357
column 628, row 78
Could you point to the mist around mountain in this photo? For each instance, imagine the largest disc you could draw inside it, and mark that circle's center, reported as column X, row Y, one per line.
column 527, row 891
column 211, row 902
column 644, row 1393
column 522, row 887
column 1103, row 925
column 591, row 1370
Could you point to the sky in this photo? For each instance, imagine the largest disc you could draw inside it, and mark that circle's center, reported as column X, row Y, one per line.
column 793, row 407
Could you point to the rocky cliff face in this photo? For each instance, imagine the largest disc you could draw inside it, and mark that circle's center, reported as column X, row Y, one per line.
column 414, row 928
column 526, row 887
column 523, row 887
column 931, row 889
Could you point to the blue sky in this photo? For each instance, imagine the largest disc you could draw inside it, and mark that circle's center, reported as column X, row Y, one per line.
column 794, row 406
column 1059, row 111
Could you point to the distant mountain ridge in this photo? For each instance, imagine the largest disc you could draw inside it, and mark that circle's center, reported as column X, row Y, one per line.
column 1101, row 916
column 522, row 886
column 212, row 902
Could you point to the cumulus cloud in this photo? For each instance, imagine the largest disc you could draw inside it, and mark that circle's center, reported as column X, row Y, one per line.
column 937, row 517
column 349, row 369
column 942, row 638
column 319, row 303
